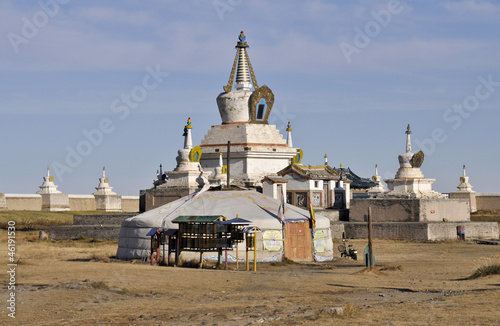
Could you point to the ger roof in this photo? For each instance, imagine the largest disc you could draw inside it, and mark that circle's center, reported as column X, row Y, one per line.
column 196, row 218
column 259, row 209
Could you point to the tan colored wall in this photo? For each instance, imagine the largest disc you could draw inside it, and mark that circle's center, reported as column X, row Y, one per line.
column 438, row 210
column 130, row 203
column 33, row 202
column 82, row 203
column 22, row 202
column 488, row 201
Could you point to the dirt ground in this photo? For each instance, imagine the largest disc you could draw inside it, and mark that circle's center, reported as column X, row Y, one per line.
column 77, row 283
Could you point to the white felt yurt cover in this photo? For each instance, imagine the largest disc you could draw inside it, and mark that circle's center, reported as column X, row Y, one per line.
column 258, row 208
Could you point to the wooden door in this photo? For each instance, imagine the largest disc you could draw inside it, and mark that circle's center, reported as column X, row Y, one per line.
column 298, row 242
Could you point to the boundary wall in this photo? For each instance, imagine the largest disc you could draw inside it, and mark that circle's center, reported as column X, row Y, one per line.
column 33, row 202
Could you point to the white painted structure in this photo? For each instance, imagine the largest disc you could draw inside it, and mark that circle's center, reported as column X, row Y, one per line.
column 257, row 148
column 52, row 199
column 106, row 199
column 409, row 181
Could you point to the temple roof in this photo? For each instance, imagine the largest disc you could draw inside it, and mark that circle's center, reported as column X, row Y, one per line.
column 356, row 181
column 320, row 172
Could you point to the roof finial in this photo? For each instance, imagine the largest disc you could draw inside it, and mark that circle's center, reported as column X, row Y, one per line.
column 326, row 159
column 103, row 171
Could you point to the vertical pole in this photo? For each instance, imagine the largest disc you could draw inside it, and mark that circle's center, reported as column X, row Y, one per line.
column 237, row 255
column 164, row 252
column 255, row 253
column 219, row 257
column 201, row 259
column 370, row 249
column 226, row 259
column 177, row 246
column 248, row 266
column 228, row 159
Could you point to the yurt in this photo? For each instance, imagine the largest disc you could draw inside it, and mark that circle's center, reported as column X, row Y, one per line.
column 300, row 242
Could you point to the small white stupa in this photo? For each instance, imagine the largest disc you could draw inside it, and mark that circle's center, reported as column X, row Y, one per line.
column 464, row 185
column 465, row 191
column 53, row 200
column 378, row 180
column 219, row 178
column 188, row 172
column 105, row 199
column 48, row 186
column 409, row 181
column 103, row 188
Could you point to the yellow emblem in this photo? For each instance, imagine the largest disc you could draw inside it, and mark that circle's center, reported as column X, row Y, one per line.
column 195, row 154
column 51, row 178
column 298, row 157
column 224, row 169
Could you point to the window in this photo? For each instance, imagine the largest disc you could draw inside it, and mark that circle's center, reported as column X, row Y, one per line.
column 316, row 184
column 301, row 199
column 261, row 109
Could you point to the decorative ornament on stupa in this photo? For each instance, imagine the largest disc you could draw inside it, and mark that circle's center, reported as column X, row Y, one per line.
column 326, row 159
column 103, row 188
column 289, row 135
column 464, row 185
column 244, row 105
column 48, row 186
column 409, row 163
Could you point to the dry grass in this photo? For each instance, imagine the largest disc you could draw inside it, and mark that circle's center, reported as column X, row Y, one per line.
column 485, row 216
column 350, row 310
column 38, row 220
column 86, row 286
column 485, row 270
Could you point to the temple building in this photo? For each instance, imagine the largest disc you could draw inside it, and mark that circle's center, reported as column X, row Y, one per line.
column 246, row 151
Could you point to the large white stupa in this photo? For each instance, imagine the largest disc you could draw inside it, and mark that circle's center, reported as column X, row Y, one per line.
column 409, row 181
column 257, row 148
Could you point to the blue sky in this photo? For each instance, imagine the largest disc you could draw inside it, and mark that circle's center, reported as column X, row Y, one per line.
column 348, row 75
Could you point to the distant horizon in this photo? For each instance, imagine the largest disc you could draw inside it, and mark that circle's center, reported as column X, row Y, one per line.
column 87, row 85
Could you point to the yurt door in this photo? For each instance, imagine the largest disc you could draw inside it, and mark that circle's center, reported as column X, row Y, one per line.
column 298, row 241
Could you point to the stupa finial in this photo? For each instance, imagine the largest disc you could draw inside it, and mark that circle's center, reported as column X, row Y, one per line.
column 242, row 67
column 408, row 140
column 289, row 135
column 188, row 141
